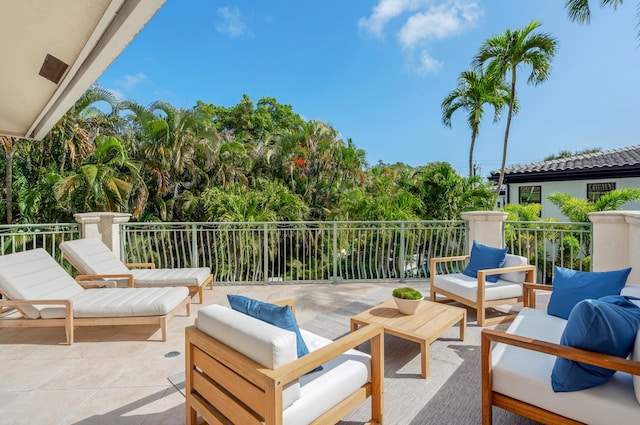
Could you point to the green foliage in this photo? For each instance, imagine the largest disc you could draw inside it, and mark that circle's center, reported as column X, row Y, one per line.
column 569, row 154
column 407, row 293
column 518, row 212
column 578, row 209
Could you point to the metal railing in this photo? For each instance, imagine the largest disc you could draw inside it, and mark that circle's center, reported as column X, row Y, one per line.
column 21, row 237
column 548, row 244
column 296, row 252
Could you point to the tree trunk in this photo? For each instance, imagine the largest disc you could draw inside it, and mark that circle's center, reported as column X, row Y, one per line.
column 512, row 102
column 8, row 176
column 474, row 133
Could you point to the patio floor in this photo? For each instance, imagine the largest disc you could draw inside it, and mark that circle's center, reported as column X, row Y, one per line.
column 118, row 374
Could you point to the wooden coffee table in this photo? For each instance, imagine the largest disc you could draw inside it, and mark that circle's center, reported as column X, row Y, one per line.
column 430, row 321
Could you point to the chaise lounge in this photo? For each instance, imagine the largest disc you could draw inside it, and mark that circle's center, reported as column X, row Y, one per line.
column 95, row 260
column 45, row 295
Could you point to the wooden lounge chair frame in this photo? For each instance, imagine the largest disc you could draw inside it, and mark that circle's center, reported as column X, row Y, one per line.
column 481, row 304
column 221, row 382
column 70, row 322
column 130, row 279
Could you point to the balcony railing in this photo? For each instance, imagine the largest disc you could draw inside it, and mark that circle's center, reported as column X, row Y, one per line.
column 21, row 237
column 297, row 252
column 548, row 244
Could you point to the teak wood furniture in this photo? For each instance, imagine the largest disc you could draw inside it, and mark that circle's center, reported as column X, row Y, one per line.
column 429, row 322
column 477, row 293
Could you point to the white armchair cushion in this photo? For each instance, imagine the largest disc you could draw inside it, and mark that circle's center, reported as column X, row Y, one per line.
column 193, row 276
column 260, row 341
column 467, row 287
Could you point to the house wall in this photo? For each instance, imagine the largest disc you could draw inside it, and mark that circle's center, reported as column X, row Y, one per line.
column 577, row 188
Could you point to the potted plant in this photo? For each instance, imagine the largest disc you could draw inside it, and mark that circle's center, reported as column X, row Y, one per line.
column 407, row 299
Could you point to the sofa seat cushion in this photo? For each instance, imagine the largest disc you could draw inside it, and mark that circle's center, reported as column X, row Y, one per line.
column 260, row 341
column 121, row 302
column 322, row 390
column 526, row 375
column 194, row 276
column 467, row 287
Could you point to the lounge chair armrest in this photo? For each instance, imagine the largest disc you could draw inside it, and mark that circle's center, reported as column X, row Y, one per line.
column 522, row 268
column 490, row 336
column 141, row 265
column 529, row 293
column 297, row 368
column 93, row 277
column 98, row 283
column 18, row 303
column 436, row 260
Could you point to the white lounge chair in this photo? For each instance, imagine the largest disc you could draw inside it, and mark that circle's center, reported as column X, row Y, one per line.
column 45, row 295
column 95, row 260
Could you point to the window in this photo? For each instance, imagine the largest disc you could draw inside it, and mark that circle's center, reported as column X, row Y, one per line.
column 596, row 190
column 529, row 195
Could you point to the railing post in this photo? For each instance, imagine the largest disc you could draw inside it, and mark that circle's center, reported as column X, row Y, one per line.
column 486, row 227
column 334, row 277
column 194, row 246
column 401, row 259
column 265, row 253
column 104, row 226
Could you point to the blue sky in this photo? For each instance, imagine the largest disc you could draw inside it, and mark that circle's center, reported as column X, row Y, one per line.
column 378, row 70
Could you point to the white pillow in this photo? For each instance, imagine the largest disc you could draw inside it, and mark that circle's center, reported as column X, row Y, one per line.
column 511, row 260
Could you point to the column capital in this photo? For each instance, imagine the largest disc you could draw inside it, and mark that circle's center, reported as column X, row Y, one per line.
column 484, row 216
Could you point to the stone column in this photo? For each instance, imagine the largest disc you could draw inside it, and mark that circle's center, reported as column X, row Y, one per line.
column 616, row 242
column 104, row 226
column 485, row 227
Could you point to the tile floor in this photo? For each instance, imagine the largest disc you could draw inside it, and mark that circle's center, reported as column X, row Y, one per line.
column 118, row 374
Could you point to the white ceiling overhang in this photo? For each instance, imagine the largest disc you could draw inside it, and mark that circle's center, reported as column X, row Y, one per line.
column 84, row 35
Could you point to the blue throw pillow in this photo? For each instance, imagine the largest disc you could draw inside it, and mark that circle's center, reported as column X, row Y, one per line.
column 280, row 316
column 485, row 257
column 607, row 325
column 571, row 286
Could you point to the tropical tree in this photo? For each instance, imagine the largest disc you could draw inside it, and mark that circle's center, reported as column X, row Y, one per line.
column 579, row 10
column 578, row 209
column 9, row 146
column 503, row 54
column 475, row 89
column 103, row 183
column 568, row 154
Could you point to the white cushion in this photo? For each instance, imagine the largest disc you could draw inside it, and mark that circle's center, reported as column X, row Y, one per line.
column 631, row 291
column 260, row 341
column 92, row 256
column 32, row 275
column 526, row 375
column 121, row 302
column 512, row 261
column 194, row 276
column 322, row 390
column 467, row 287
column 635, row 356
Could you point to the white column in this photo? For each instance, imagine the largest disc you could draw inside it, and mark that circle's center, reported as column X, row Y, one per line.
column 104, row 226
column 485, row 227
column 616, row 242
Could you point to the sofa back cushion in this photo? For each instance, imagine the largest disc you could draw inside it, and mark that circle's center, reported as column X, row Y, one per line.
column 511, row 260
column 266, row 344
column 35, row 275
column 572, row 286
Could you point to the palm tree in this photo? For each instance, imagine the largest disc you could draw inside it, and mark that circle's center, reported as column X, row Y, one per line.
column 578, row 209
column 505, row 53
column 474, row 90
column 579, row 10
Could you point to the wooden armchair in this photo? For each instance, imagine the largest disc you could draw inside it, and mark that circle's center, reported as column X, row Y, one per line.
column 478, row 293
column 225, row 385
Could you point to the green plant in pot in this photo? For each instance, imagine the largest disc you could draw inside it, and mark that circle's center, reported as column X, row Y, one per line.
column 407, row 299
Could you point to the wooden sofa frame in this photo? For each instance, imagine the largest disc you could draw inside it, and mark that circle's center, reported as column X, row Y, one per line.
column 481, row 304
column 537, row 413
column 69, row 322
column 223, row 384
column 130, row 280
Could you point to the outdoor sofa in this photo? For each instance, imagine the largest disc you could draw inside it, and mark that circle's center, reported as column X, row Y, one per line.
column 242, row 370
column 45, row 295
column 92, row 258
column 517, row 368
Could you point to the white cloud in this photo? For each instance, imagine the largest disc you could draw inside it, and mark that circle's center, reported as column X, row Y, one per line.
column 117, row 93
column 422, row 23
column 130, row 81
column 232, row 24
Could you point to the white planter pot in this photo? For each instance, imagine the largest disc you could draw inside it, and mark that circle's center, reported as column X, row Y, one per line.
column 407, row 306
